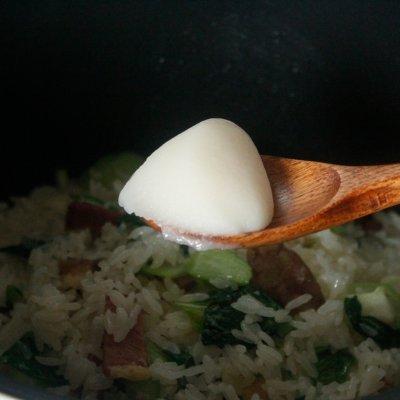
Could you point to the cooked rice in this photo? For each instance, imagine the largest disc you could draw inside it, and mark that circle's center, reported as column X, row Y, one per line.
column 73, row 324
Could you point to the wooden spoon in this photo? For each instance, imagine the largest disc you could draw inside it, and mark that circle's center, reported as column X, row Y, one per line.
column 311, row 196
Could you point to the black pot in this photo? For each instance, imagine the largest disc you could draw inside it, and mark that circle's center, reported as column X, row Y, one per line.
column 307, row 79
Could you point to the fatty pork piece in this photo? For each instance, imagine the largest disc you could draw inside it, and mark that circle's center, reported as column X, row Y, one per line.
column 127, row 359
column 283, row 275
column 256, row 388
column 73, row 270
column 83, row 215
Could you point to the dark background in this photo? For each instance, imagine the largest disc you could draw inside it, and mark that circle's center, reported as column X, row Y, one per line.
column 307, row 79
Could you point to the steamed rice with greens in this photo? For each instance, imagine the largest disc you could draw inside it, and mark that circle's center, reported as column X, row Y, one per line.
column 96, row 305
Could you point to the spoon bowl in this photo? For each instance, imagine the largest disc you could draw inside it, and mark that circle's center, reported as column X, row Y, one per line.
column 299, row 190
column 311, row 196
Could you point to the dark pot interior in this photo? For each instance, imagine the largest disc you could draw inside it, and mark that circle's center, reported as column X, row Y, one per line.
column 311, row 79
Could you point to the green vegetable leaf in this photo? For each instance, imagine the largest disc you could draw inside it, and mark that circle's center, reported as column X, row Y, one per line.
column 219, row 320
column 391, row 288
column 155, row 353
column 229, row 295
column 149, row 389
column 24, row 248
column 220, row 299
column 206, row 266
column 21, row 356
column 219, row 264
column 262, row 297
column 334, row 367
column 322, row 351
column 274, row 328
column 184, row 249
column 286, row 374
column 269, row 325
column 115, row 167
column 226, row 296
column 165, row 270
column 13, row 295
column 195, row 311
column 130, row 220
column 384, row 335
column 182, row 358
column 363, row 287
column 353, row 309
column 339, row 230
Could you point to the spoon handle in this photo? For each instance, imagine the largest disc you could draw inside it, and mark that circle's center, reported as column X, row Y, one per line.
column 365, row 190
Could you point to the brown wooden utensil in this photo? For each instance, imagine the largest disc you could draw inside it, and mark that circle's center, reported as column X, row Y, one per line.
column 311, row 196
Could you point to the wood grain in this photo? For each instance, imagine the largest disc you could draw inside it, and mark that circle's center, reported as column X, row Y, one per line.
column 311, row 196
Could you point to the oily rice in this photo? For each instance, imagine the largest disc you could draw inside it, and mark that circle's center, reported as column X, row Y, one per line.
column 72, row 323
